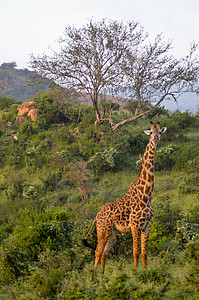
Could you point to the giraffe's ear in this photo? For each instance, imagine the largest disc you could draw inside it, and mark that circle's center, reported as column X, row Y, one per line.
column 147, row 132
column 163, row 129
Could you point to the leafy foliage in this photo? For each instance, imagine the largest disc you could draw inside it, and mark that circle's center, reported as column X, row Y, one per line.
column 103, row 161
column 55, row 178
column 37, row 231
column 13, row 264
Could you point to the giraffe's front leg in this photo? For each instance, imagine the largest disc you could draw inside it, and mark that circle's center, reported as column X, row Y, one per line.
column 136, row 244
column 144, row 245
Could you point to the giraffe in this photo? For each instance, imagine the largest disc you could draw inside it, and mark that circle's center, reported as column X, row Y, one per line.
column 132, row 213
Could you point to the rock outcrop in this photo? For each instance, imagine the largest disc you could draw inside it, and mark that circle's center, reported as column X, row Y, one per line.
column 28, row 108
column 25, row 107
column 20, row 120
column 33, row 114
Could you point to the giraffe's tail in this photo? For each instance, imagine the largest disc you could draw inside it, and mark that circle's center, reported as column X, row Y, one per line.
column 84, row 241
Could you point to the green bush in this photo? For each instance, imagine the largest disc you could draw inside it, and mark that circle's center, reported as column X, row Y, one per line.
column 6, row 102
column 194, row 215
column 15, row 154
column 182, row 119
column 138, row 144
column 37, row 155
column 38, row 231
column 166, row 214
column 13, row 264
column 186, row 232
column 10, row 115
column 103, row 161
column 164, row 224
column 48, row 275
column 118, row 287
column 158, row 238
column 193, row 165
column 51, row 180
column 118, row 282
column 184, row 154
column 178, row 157
column 192, row 255
column 164, row 158
column 48, row 111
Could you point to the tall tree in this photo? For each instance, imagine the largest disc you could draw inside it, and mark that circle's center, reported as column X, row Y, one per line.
column 115, row 57
column 92, row 58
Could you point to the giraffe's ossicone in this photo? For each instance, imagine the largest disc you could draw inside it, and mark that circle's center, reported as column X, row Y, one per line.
column 132, row 213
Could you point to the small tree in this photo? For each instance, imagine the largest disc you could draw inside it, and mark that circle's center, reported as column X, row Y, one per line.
column 79, row 176
column 116, row 58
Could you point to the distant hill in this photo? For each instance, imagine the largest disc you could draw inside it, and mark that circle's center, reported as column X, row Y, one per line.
column 14, row 82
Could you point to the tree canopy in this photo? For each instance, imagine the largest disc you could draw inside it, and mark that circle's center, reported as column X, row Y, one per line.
column 117, row 58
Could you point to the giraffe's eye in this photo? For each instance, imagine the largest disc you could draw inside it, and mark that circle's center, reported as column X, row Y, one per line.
column 151, row 132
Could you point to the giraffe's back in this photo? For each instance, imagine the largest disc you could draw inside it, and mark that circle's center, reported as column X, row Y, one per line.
column 124, row 213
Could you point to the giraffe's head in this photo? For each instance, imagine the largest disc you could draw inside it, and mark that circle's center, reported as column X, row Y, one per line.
column 155, row 132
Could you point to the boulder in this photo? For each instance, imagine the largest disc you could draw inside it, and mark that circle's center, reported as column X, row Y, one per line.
column 25, row 107
column 20, row 120
column 9, row 124
column 33, row 114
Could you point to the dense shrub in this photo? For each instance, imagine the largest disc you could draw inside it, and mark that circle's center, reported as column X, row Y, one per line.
column 48, row 112
column 10, row 115
column 15, row 154
column 192, row 255
column 6, row 102
column 138, row 144
column 48, row 275
column 182, row 119
column 51, row 180
column 190, row 184
column 38, row 231
column 186, row 232
column 164, row 159
column 178, row 157
column 164, row 224
column 103, row 161
column 36, row 156
column 194, row 215
column 13, row 264
column 183, row 155
column 166, row 214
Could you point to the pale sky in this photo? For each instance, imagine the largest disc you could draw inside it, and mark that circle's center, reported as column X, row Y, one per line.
column 31, row 26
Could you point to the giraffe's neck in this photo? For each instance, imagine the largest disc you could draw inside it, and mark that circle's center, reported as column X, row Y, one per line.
column 146, row 176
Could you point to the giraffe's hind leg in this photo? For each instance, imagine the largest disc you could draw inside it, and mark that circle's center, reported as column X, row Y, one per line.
column 99, row 249
column 144, row 245
column 111, row 239
column 136, row 244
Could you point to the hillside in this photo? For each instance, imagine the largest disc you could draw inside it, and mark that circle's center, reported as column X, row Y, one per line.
column 57, row 173
column 14, row 82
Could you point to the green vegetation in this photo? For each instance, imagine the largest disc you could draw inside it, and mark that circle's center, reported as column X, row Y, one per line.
column 55, row 176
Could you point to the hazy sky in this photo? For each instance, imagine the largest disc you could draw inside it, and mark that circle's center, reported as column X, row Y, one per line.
column 31, row 26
